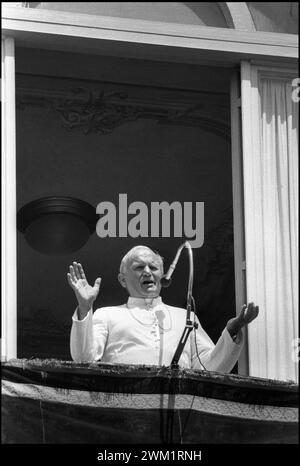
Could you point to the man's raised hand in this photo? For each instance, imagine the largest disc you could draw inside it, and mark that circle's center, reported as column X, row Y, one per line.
column 247, row 314
column 85, row 293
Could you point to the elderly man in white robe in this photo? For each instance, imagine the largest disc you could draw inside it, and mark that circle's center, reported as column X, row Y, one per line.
column 145, row 330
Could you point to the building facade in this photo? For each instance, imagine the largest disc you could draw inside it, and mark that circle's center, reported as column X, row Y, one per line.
column 222, row 81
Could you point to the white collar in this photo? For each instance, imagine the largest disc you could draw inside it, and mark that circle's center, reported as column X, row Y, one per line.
column 143, row 302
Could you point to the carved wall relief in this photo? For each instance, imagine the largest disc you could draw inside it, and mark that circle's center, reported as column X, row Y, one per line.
column 103, row 110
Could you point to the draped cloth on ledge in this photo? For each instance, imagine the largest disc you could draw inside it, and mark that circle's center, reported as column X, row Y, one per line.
column 55, row 402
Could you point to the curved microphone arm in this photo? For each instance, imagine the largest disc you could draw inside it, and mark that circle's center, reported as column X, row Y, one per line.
column 189, row 326
column 191, row 280
column 166, row 280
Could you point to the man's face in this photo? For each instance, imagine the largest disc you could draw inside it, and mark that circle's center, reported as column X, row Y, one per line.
column 142, row 275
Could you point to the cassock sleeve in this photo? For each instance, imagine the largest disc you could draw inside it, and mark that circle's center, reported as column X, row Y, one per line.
column 88, row 336
column 219, row 357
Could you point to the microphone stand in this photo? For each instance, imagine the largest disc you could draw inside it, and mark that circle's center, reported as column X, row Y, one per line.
column 189, row 325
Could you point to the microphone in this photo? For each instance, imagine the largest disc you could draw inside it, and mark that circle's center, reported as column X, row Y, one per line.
column 166, row 279
column 165, row 282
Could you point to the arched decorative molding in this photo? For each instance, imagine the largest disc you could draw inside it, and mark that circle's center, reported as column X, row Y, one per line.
column 238, row 16
column 188, row 13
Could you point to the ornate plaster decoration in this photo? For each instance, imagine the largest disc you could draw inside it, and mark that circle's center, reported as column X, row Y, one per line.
column 102, row 111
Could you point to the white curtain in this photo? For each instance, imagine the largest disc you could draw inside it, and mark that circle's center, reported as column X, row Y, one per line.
column 277, row 185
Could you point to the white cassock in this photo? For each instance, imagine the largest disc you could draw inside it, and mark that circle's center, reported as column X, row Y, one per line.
column 147, row 331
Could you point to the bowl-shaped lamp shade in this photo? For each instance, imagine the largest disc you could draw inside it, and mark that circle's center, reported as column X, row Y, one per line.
column 57, row 225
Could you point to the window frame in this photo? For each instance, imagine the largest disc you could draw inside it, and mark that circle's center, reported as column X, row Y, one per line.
column 116, row 36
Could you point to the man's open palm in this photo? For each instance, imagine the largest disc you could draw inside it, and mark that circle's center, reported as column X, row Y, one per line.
column 85, row 293
column 247, row 314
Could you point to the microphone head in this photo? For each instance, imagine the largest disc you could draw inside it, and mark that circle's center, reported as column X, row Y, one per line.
column 165, row 282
